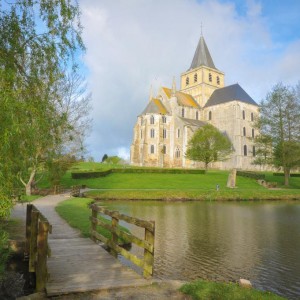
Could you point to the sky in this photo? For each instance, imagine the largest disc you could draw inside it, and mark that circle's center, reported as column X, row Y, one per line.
column 135, row 44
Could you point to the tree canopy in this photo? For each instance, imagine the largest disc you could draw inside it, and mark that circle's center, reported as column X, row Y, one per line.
column 279, row 126
column 208, row 145
column 38, row 43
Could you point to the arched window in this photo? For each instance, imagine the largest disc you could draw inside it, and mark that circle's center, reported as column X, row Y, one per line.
column 178, row 133
column 218, row 80
column 197, row 115
column 164, row 149
column 245, row 150
column 210, row 115
column 177, row 152
column 195, row 77
column 141, row 134
column 182, row 112
column 152, row 149
column 187, row 81
column 164, row 133
column 164, row 119
column 152, row 133
column 210, row 77
column 253, row 132
column 244, row 115
column 252, row 117
column 253, row 151
column 151, row 120
column 244, row 131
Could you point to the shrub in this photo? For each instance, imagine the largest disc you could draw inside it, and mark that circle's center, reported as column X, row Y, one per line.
column 291, row 175
column 251, row 175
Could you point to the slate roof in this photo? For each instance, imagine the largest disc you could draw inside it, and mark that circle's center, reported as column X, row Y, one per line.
column 202, row 56
column 192, row 122
column 228, row 94
column 155, row 106
column 182, row 98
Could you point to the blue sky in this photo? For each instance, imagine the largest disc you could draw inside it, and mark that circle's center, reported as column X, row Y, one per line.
column 133, row 44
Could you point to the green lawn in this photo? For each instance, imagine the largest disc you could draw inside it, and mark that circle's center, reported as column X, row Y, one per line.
column 206, row 290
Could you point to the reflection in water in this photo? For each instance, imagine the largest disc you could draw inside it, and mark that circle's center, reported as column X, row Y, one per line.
column 225, row 241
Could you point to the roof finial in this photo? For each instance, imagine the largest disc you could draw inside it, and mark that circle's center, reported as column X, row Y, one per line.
column 173, row 87
column 151, row 93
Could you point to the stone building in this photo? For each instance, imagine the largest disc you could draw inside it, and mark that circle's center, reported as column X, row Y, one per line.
column 163, row 129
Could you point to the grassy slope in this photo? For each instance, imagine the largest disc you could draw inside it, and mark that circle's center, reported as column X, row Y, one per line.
column 207, row 290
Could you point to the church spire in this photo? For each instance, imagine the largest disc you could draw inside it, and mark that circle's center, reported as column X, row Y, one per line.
column 151, row 93
column 202, row 56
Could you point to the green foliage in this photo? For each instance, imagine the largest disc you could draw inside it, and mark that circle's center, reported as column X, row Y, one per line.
column 4, row 253
column 251, row 175
column 291, row 175
column 208, row 290
column 104, row 158
column 279, row 125
column 114, row 160
column 208, row 145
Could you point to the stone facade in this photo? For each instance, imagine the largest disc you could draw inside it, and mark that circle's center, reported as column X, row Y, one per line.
column 163, row 129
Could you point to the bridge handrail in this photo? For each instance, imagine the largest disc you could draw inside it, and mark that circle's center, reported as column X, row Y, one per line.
column 37, row 249
column 148, row 243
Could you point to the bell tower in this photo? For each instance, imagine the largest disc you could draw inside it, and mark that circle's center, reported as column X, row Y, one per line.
column 202, row 78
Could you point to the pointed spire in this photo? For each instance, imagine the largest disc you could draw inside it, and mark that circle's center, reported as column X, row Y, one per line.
column 151, row 93
column 202, row 56
column 173, row 87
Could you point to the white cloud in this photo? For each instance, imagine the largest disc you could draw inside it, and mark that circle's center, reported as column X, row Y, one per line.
column 135, row 43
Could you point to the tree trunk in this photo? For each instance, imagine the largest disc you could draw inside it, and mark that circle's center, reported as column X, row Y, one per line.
column 286, row 176
column 28, row 185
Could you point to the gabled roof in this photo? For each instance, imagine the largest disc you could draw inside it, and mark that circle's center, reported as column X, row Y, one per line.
column 192, row 122
column 202, row 56
column 182, row 98
column 228, row 94
column 155, row 106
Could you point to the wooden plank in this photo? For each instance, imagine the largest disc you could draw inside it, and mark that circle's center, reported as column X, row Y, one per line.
column 149, row 255
column 33, row 240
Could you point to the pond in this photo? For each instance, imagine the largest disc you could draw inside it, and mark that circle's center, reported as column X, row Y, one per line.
column 225, row 241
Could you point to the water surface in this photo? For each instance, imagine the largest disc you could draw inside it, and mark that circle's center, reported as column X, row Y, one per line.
column 225, row 241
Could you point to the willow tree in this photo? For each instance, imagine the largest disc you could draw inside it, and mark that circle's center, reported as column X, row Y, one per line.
column 38, row 42
column 208, row 145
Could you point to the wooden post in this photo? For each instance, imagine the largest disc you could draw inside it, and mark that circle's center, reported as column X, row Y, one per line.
column 42, row 252
column 33, row 239
column 114, row 224
column 94, row 226
column 149, row 256
column 28, row 230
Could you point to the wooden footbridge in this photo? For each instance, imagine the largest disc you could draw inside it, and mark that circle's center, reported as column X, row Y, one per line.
column 65, row 263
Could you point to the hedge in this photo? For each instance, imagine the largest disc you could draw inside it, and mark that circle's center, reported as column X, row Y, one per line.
column 96, row 174
column 251, row 175
column 291, row 175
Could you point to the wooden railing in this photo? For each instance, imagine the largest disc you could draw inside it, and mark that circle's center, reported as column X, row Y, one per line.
column 37, row 248
column 116, row 232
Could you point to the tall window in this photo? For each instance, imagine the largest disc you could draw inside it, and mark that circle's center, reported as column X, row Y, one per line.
column 218, row 80
column 152, row 149
column 197, row 115
column 151, row 120
column 178, row 133
column 177, row 152
column 141, row 134
column 252, row 117
column 244, row 115
column 209, row 77
column 187, row 81
column 164, row 149
column 152, row 133
column 253, row 132
column 195, row 77
column 244, row 131
column 164, row 119
column 209, row 115
column 245, row 150
column 164, row 133
column 253, row 151
column 182, row 112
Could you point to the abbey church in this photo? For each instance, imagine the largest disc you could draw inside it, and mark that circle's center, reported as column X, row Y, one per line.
column 163, row 129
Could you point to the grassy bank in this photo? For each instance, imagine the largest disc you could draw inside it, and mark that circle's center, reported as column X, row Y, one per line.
column 206, row 290
column 76, row 212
